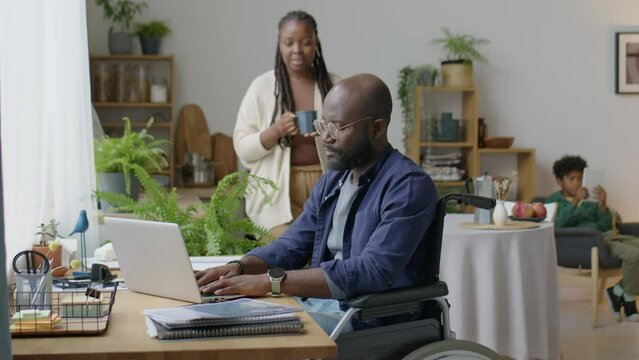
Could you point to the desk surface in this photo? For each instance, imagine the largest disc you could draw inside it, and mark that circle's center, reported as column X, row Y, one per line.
column 503, row 288
column 126, row 338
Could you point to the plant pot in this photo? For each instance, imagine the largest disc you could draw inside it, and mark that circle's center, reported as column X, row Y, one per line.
column 120, row 43
column 457, row 73
column 114, row 182
column 56, row 255
column 427, row 77
column 150, row 45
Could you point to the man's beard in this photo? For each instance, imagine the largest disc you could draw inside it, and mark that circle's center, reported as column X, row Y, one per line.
column 353, row 157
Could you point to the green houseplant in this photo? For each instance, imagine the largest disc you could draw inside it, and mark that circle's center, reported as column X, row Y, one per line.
column 460, row 50
column 409, row 78
column 116, row 157
column 121, row 14
column 47, row 234
column 208, row 229
column 151, row 35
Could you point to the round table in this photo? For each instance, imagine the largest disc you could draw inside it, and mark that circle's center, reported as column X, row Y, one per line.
column 503, row 287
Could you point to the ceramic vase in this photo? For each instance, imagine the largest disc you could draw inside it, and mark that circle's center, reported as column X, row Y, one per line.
column 499, row 213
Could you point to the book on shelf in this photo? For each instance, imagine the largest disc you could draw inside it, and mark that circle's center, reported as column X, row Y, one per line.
column 448, row 166
column 240, row 317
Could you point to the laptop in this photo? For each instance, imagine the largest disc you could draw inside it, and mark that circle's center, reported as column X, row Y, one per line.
column 154, row 260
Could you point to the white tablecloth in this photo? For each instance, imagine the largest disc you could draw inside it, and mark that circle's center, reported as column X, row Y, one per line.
column 503, row 288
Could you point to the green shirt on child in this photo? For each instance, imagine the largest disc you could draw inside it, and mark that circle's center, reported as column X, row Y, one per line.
column 585, row 214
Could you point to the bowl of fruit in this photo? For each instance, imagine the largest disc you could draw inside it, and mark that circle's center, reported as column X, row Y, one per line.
column 523, row 211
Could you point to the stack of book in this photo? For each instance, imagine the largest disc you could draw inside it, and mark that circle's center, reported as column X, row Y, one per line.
column 444, row 167
column 242, row 317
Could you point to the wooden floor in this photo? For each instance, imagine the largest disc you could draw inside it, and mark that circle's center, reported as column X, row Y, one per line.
column 579, row 341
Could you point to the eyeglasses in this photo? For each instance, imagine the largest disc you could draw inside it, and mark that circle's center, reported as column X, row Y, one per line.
column 329, row 128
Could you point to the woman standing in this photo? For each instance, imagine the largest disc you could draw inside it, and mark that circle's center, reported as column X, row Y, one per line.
column 266, row 137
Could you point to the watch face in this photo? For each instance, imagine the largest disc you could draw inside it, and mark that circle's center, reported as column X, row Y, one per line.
column 276, row 273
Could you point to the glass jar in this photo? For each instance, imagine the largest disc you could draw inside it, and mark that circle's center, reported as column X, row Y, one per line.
column 121, row 82
column 140, row 84
column 102, row 82
column 159, row 90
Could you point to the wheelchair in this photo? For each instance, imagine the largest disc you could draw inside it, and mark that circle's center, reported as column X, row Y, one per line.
column 425, row 338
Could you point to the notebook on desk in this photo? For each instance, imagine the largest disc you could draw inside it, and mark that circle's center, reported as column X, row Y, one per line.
column 240, row 317
column 154, row 261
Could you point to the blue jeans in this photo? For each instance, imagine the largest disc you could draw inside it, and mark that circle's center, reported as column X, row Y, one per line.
column 325, row 312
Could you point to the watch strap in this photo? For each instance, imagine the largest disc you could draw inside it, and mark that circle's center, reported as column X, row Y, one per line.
column 276, row 288
column 276, row 275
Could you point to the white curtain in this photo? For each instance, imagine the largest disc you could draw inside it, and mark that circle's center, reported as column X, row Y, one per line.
column 46, row 119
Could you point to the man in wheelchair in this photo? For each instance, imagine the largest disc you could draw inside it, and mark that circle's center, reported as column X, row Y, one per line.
column 363, row 229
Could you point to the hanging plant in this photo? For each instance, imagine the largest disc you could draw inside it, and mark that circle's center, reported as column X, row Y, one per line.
column 406, row 95
column 409, row 78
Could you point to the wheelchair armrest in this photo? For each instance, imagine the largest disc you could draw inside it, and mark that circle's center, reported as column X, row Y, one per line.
column 629, row 228
column 416, row 294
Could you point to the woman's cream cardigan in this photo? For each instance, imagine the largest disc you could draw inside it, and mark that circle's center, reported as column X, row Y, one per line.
column 254, row 117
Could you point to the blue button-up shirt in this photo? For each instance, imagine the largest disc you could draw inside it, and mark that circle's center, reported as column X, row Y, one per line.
column 383, row 238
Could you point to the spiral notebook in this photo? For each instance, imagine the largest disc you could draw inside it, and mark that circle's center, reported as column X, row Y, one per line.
column 293, row 326
column 233, row 318
column 214, row 313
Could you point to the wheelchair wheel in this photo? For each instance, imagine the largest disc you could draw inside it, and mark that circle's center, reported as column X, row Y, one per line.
column 453, row 350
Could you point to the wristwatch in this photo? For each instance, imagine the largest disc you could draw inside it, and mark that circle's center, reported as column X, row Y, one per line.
column 276, row 275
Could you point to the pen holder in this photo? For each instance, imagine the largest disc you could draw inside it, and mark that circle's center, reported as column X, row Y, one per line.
column 33, row 291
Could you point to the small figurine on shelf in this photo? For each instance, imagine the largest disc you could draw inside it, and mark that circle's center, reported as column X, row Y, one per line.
column 81, row 226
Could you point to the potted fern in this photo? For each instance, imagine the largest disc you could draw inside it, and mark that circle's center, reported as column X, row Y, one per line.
column 151, row 35
column 121, row 14
column 207, row 229
column 116, row 157
column 460, row 52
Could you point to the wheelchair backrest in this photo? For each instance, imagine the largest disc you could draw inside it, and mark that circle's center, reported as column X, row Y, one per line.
column 435, row 232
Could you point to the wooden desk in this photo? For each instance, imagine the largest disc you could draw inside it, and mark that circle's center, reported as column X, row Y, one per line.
column 127, row 339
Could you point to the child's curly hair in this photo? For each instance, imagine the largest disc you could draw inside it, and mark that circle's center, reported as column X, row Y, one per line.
column 568, row 164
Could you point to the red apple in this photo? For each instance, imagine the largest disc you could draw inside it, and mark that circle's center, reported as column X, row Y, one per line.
column 522, row 210
column 539, row 209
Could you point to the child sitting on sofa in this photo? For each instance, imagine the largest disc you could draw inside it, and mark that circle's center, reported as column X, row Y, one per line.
column 574, row 211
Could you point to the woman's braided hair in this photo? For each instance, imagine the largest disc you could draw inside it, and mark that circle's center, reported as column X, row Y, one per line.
column 283, row 93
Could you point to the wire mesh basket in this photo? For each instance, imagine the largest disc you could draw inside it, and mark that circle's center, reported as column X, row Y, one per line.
column 60, row 313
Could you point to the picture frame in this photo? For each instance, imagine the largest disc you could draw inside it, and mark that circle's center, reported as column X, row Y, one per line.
column 627, row 63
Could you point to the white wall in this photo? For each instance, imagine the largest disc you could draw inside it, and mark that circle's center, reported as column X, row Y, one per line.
column 549, row 80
